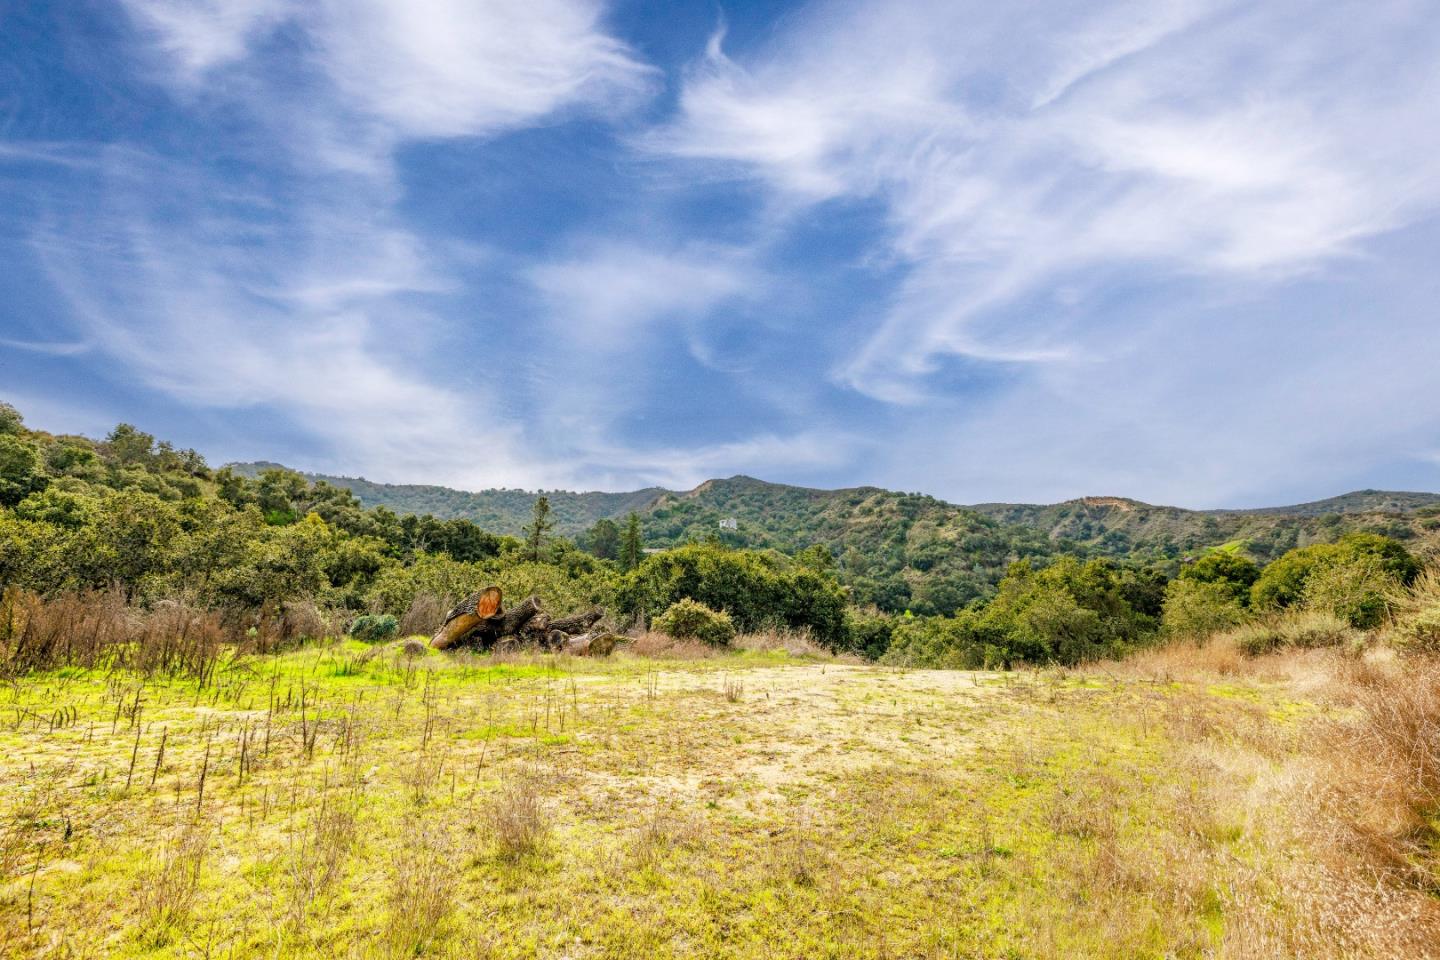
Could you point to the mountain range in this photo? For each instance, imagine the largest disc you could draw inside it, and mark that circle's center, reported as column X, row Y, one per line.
column 882, row 522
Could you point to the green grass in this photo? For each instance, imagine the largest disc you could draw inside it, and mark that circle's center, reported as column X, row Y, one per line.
column 828, row 810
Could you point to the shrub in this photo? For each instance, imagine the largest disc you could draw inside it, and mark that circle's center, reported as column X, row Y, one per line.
column 869, row 632
column 1315, row 628
column 1350, row 578
column 1417, row 614
column 1419, row 632
column 373, row 628
column 758, row 590
column 1198, row 608
column 425, row 614
column 1305, row 629
column 1354, row 591
column 960, row 643
column 1255, row 639
column 691, row 620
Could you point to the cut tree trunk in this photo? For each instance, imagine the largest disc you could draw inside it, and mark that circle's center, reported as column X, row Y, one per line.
column 600, row 643
column 577, row 622
column 480, row 621
column 467, row 616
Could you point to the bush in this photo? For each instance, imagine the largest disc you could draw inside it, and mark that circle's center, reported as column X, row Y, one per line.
column 1198, row 608
column 758, row 590
column 1315, row 628
column 960, row 642
column 1307, row 629
column 1255, row 639
column 373, row 628
column 691, row 620
column 869, row 632
column 1354, row 591
column 1419, row 632
column 1350, row 578
column 1233, row 572
column 1417, row 614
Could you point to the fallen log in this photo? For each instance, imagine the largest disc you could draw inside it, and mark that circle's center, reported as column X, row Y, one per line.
column 599, row 643
column 578, row 622
column 466, row 617
column 480, row 621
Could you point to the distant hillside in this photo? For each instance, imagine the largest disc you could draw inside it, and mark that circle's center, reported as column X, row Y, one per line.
column 1117, row 526
column 1361, row 501
column 499, row 511
column 910, row 551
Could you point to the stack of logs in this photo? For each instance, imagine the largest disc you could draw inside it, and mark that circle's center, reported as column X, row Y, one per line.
column 480, row 621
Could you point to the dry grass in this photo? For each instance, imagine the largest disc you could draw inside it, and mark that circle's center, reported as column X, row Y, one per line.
column 1357, row 790
column 101, row 629
column 796, row 643
column 423, row 882
column 660, row 646
column 425, row 614
column 517, row 819
column 168, row 890
column 320, row 850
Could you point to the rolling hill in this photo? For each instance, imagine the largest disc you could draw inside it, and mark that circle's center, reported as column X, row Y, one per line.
column 911, row 551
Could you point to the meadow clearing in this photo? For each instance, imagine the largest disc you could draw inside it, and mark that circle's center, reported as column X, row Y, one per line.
column 352, row 801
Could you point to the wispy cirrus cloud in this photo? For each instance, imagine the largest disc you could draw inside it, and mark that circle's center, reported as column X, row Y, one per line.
column 1012, row 146
column 321, row 315
column 417, row 68
column 300, row 286
column 607, row 294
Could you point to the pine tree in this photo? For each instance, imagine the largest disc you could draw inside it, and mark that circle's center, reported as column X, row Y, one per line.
column 632, row 545
column 539, row 526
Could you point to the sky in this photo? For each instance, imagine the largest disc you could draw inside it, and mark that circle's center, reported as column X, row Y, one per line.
column 1186, row 251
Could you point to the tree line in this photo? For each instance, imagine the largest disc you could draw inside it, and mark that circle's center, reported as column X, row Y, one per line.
column 135, row 514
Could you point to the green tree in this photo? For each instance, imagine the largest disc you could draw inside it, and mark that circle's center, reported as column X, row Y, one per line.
column 603, row 539
column 1197, row 608
column 233, row 488
column 539, row 526
column 817, row 557
column 21, row 472
column 281, row 495
column 632, row 544
column 129, row 446
column 758, row 590
column 1349, row 578
column 10, row 419
column 1234, row 573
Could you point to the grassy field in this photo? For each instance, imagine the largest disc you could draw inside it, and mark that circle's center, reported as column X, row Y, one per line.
column 344, row 801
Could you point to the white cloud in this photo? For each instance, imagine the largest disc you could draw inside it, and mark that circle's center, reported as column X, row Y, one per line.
column 316, row 319
column 418, row 68
column 48, row 348
column 444, row 68
column 200, row 35
column 1013, row 144
column 607, row 295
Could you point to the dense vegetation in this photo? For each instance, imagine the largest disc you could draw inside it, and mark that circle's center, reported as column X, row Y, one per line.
column 901, row 576
column 908, row 552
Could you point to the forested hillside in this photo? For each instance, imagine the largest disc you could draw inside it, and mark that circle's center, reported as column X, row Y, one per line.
column 908, row 551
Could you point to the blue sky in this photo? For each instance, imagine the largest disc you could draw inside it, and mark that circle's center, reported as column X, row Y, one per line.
column 1179, row 250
